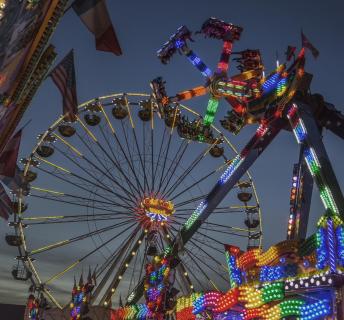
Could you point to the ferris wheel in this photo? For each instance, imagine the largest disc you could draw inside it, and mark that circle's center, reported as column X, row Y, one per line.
column 112, row 189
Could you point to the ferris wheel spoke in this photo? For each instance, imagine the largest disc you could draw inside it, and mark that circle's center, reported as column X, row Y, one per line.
column 145, row 182
column 197, row 198
column 198, row 181
column 165, row 159
column 84, row 236
column 111, row 263
column 152, row 157
column 222, row 231
column 195, row 263
column 77, row 262
column 208, row 256
column 107, row 173
column 224, row 226
column 155, row 171
column 72, row 203
column 123, row 267
column 115, row 161
column 78, row 186
column 100, row 184
column 139, row 186
column 176, row 164
column 66, row 219
column 130, row 159
column 67, row 195
column 192, row 166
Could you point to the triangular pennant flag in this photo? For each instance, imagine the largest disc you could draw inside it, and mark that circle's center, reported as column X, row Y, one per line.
column 63, row 76
column 95, row 16
column 307, row 44
column 5, row 203
column 9, row 156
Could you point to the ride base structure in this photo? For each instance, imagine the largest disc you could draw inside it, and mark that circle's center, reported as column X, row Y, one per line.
column 298, row 278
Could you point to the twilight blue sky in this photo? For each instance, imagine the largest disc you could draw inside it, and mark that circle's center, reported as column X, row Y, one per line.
column 142, row 26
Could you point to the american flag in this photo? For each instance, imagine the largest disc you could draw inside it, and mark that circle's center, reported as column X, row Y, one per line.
column 5, row 203
column 63, row 76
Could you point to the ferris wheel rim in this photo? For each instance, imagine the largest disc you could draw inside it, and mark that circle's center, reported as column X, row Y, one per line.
column 53, row 127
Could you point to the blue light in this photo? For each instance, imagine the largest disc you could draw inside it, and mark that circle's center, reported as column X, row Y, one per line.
column 321, row 251
column 199, row 64
column 331, row 245
column 179, row 43
column 340, row 244
column 315, row 310
column 230, row 170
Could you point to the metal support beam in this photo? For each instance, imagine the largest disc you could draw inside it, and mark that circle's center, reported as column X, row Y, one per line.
column 307, row 132
column 240, row 164
column 300, row 199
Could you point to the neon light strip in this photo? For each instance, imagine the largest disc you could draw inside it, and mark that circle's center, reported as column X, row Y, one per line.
column 199, row 64
column 195, row 214
column 213, row 104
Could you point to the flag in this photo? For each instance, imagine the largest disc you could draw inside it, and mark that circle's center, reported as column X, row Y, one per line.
column 63, row 76
column 9, row 156
column 16, row 183
column 95, row 16
column 5, row 203
column 306, row 44
column 290, row 52
column 6, row 114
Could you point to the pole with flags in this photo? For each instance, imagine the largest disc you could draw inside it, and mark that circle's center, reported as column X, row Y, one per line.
column 63, row 76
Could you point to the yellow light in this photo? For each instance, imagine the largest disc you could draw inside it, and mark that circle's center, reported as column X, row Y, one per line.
column 185, row 274
column 120, row 277
column 112, row 290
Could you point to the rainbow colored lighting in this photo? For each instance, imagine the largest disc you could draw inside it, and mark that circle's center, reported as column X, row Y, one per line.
column 281, row 87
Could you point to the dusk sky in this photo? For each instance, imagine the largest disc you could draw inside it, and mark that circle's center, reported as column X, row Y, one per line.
column 142, row 27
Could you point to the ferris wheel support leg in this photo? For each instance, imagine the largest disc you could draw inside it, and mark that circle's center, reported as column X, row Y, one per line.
column 240, row 164
column 307, row 132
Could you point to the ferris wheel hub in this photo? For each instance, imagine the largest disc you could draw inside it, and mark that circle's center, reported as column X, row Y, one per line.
column 157, row 209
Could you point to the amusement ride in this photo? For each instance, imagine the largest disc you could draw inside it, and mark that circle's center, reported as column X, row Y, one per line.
column 129, row 180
